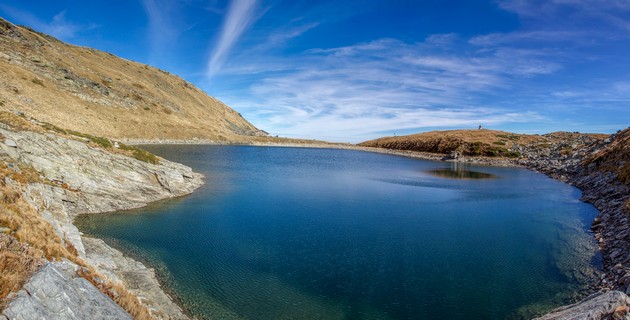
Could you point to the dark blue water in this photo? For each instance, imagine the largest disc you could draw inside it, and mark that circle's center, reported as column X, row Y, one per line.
column 290, row 233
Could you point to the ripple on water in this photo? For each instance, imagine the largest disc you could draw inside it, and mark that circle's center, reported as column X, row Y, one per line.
column 331, row 234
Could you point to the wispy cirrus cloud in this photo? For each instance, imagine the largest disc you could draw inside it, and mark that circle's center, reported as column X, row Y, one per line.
column 58, row 27
column 532, row 78
column 357, row 92
column 241, row 14
column 164, row 28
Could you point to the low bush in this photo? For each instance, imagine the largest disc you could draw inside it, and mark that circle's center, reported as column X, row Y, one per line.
column 140, row 154
column 101, row 141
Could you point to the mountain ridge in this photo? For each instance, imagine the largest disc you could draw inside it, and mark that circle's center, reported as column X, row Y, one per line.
column 95, row 92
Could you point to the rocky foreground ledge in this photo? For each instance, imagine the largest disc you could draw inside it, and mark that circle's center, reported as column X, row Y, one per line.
column 77, row 177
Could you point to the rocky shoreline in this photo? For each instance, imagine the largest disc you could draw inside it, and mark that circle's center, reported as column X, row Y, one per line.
column 599, row 188
column 574, row 161
column 108, row 182
column 79, row 178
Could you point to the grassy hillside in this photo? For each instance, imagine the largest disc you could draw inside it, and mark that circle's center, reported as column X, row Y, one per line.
column 615, row 157
column 490, row 143
column 97, row 93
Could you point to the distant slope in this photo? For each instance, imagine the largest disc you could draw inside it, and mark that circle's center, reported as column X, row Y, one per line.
column 614, row 158
column 98, row 93
column 491, row 143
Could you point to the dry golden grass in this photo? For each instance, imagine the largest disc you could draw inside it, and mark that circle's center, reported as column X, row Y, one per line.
column 25, row 223
column 118, row 293
column 473, row 142
column 17, row 122
column 468, row 142
column 615, row 157
column 94, row 92
column 31, row 239
column 17, row 262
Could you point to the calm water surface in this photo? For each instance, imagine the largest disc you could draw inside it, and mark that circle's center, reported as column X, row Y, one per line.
column 289, row 233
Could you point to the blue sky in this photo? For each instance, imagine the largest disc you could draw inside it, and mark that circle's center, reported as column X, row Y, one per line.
column 354, row 70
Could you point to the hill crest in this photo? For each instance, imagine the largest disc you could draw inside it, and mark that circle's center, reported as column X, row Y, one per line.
column 95, row 92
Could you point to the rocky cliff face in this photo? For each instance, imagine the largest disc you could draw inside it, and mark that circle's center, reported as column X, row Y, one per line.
column 77, row 177
column 95, row 92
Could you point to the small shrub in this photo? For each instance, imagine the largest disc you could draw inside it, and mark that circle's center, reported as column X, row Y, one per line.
column 137, row 97
column 52, row 127
column 140, row 154
column 513, row 154
column 37, row 81
column 145, row 156
column 499, row 143
column 103, row 142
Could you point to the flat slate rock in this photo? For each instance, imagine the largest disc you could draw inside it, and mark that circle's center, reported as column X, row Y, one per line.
column 595, row 307
column 56, row 292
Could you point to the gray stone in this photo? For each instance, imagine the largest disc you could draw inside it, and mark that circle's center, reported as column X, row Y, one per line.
column 10, row 143
column 85, row 179
column 137, row 278
column 56, row 292
column 597, row 306
column 106, row 181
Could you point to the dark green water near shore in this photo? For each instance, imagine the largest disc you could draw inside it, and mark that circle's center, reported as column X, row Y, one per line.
column 292, row 233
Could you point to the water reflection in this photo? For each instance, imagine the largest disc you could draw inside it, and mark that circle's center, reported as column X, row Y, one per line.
column 459, row 171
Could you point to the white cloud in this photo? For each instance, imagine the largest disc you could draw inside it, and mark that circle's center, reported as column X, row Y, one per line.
column 355, row 92
column 241, row 15
column 163, row 29
column 528, row 78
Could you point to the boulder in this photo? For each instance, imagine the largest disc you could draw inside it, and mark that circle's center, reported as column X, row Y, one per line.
column 611, row 304
column 56, row 292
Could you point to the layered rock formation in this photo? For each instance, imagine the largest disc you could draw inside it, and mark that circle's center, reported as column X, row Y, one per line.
column 56, row 292
column 78, row 177
column 611, row 305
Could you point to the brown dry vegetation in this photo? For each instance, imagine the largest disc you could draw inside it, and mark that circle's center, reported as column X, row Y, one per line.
column 468, row 142
column 94, row 92
column 491, row 143
column 31, row 239
column 17, row 262
column 22, row 123
column 615, row 157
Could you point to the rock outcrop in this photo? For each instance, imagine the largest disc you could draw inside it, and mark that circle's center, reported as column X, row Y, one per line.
column 77, row 177
column 609, row 305
column 56, row 292
column 138, row 279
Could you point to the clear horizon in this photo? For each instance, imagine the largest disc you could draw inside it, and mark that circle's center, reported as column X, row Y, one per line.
column 358, row 70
